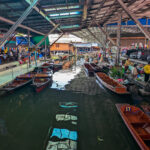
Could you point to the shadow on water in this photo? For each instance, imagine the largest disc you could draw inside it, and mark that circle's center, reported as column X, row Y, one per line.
column 25, row 116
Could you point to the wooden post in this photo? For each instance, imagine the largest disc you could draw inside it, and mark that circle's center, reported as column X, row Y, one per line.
column 29, row 55
column 118, row 39
column 45, row 51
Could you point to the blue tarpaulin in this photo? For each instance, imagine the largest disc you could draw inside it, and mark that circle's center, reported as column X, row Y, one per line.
column 143, row 21
column 68, row 105
column 23, row 41
column 64, row 134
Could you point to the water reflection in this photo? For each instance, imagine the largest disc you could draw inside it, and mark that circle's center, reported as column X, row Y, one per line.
column 3, row 129
column 63, row 77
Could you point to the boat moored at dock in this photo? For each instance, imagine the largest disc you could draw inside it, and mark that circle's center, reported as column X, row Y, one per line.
column 16, row 84
column 88, row 69
column 138, row 124
column 96, row 68
column 41, row 81
column 111, row 84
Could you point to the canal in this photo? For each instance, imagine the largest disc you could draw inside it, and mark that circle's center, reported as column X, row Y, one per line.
column 25, row 116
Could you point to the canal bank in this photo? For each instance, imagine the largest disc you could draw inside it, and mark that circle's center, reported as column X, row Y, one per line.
column 10, row 74
column 25, row 116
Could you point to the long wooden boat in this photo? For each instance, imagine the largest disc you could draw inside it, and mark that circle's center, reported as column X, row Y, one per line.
column 96, row 68
column 49, row 65
column 29, row 75
column 16, row 84
column 41, row 81
column 44, row 69
column 46, row 64
column 146, row 109
column 88, row 69
column 111, row 84
column 138, row 124
column 57, row 66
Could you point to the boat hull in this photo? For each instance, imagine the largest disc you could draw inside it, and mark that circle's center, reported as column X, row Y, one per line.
column 39, row 87
column 89, row 71
column 134, row 133
column 112, row 89
column 8, row 88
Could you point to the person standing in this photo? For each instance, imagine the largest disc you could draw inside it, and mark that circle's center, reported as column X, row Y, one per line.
column 134, row 71
column 127, row 63
column 147, row 71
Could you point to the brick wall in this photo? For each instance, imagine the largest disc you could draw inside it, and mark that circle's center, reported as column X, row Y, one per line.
column 127, row 41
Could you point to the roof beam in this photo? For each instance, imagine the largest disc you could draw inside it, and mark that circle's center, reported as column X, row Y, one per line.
column 132, row 16
column 85, row 7
column 18, row 22
column 99, row 8
column 107, row 35
column 22, row 26
column 54, row 28
column 43, row 14
column 57, row 39
column 93, row 35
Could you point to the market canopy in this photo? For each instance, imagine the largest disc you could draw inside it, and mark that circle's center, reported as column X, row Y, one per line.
column 37, row 39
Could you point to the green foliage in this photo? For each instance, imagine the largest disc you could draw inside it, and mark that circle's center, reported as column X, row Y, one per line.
column 117, row 73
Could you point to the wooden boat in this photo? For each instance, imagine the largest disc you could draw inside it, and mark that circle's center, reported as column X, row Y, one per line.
column 57, row 66
column 88, row 69
column 138, row 124
column 111, row 84
column 46, row 64
column 41, row 81
column 49, row 65
column 16, row 84
column 95, row 67
column 29, row 75
column 146, row 109
column 44, row 69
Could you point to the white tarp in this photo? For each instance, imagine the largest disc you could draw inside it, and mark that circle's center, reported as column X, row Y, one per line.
column 62, row 145
column 65, row 117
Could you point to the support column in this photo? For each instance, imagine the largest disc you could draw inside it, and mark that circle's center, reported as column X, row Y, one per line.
column 45, row 51
column 29, row 55
column 18, row 22
column 105, row 42
column 132, row 16
column 118, row 39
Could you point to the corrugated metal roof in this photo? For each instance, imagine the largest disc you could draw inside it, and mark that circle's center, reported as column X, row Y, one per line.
column 73, row 15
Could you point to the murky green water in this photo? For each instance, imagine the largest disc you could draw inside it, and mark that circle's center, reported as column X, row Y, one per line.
column 25, row 116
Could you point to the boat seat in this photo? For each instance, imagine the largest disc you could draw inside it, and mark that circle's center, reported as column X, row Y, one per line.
column 138, row 124
column 148, row 129
column 145, row 137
